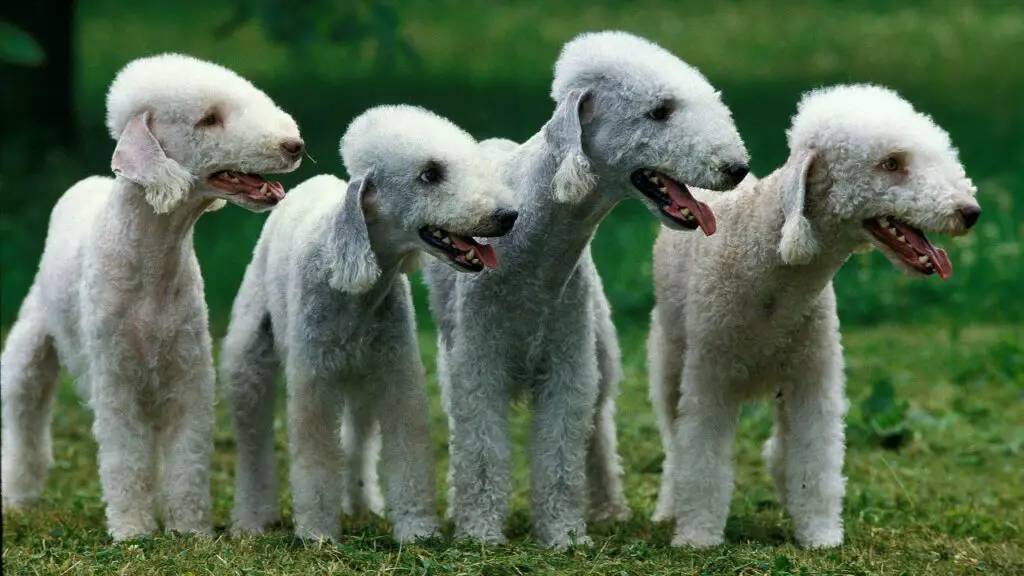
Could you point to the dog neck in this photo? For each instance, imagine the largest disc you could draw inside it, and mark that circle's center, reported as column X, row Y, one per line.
column 149, row 247
column 550, row 236
column 763, row 226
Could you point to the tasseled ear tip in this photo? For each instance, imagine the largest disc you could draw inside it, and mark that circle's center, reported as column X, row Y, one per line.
column 798, row 245
column 573, row 180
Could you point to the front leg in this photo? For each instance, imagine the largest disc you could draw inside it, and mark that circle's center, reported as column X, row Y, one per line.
column 408, row 461
column 314, row 425
column 185, row 439
column 706, row 422
column 806, row 451
column 480, row 457
column 125, row 439
column 563, row 415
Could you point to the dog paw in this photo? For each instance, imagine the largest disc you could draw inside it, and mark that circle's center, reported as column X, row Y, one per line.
column 129, row 531
column 696, row 539
column 613, row 512
column 821, row 539
column 314, row 535
column 416, row 529
column 481, row 534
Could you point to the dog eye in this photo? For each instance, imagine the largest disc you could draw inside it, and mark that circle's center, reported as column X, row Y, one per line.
column 661, row 113
column 432, row 175
column 211, row 119
column 890, row 164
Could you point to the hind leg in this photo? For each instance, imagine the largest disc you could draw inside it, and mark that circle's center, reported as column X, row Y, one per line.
column 664, row 369
column 604, row 466
column 360, row 437
column 28, row 379
column 249, row 371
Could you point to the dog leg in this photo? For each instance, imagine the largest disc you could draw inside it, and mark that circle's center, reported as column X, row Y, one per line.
column 813, row 408
column 314, row 425
column 665, row 371
column 563, row 412
column 604, row 466
column 125, row 442
column 28, row 379
column 361, row 445
column 703, row 467
column 481, row 458
column 407, row 453
column 186, row 444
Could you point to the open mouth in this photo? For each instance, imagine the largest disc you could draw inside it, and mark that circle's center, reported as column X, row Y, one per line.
column 911, row 245
column 675, row 200
column 463, row 251
column 251, row 186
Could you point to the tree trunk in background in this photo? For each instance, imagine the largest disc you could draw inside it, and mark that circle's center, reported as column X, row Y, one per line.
column 37, row 102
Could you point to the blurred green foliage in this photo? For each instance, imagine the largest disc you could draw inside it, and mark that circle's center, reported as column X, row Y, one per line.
column 18, row 47
column 487, row 65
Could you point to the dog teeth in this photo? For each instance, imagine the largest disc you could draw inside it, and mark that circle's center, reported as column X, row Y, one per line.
column 446, row 240
column 263, row 189
column 471, row 255
column 923, row 259
column 686, row 213
column 437, row 233
column 475, row 261
column 902, row 238
column 884, row 222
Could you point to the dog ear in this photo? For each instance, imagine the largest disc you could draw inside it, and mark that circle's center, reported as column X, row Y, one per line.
column 354, row 268
column 574, row 178
column 139, row 158
column 798, row 245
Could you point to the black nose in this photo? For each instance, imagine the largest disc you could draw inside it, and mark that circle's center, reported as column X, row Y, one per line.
column 970, row 215
column 506, row 219
column 293, row 147
column 736, row 172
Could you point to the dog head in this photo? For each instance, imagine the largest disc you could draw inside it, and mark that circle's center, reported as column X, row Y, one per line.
column 190, row 129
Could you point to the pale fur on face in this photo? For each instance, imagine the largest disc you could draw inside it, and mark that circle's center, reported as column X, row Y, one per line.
column 844, row 134
column 172, row 94
column 388, row 149
column 619, row 79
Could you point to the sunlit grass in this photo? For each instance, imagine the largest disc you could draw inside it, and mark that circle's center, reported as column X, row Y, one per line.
column 943, row 498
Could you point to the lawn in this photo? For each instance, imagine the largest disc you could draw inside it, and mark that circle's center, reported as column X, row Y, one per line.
column 934, row 461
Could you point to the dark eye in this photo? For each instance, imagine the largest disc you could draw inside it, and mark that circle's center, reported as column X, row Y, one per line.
column 211, row 119
column 431, row 174
column 661, row 113
column 890, row 164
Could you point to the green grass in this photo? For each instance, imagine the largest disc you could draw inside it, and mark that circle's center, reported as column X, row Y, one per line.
column 934, row 461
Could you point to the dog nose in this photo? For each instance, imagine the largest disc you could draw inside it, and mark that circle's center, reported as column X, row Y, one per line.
column 293, row 147
column 506, row 219
column 736, row 172
column 970, row 214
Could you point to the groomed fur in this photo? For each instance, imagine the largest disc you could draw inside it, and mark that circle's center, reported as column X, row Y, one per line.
column 325, row 295
column 751, row 312
column 118, row 299
column 540, row 326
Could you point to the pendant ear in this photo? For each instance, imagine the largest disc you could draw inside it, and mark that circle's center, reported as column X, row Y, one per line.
column 138, row 157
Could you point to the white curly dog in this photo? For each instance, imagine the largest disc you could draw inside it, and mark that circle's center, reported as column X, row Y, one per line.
column 326, row 294
column 631, row 121
column 751, row 311
column 118, row 300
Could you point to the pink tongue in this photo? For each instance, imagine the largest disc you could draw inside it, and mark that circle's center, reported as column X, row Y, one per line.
column 701, row 211
column 484, row 252
column 921, row 244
